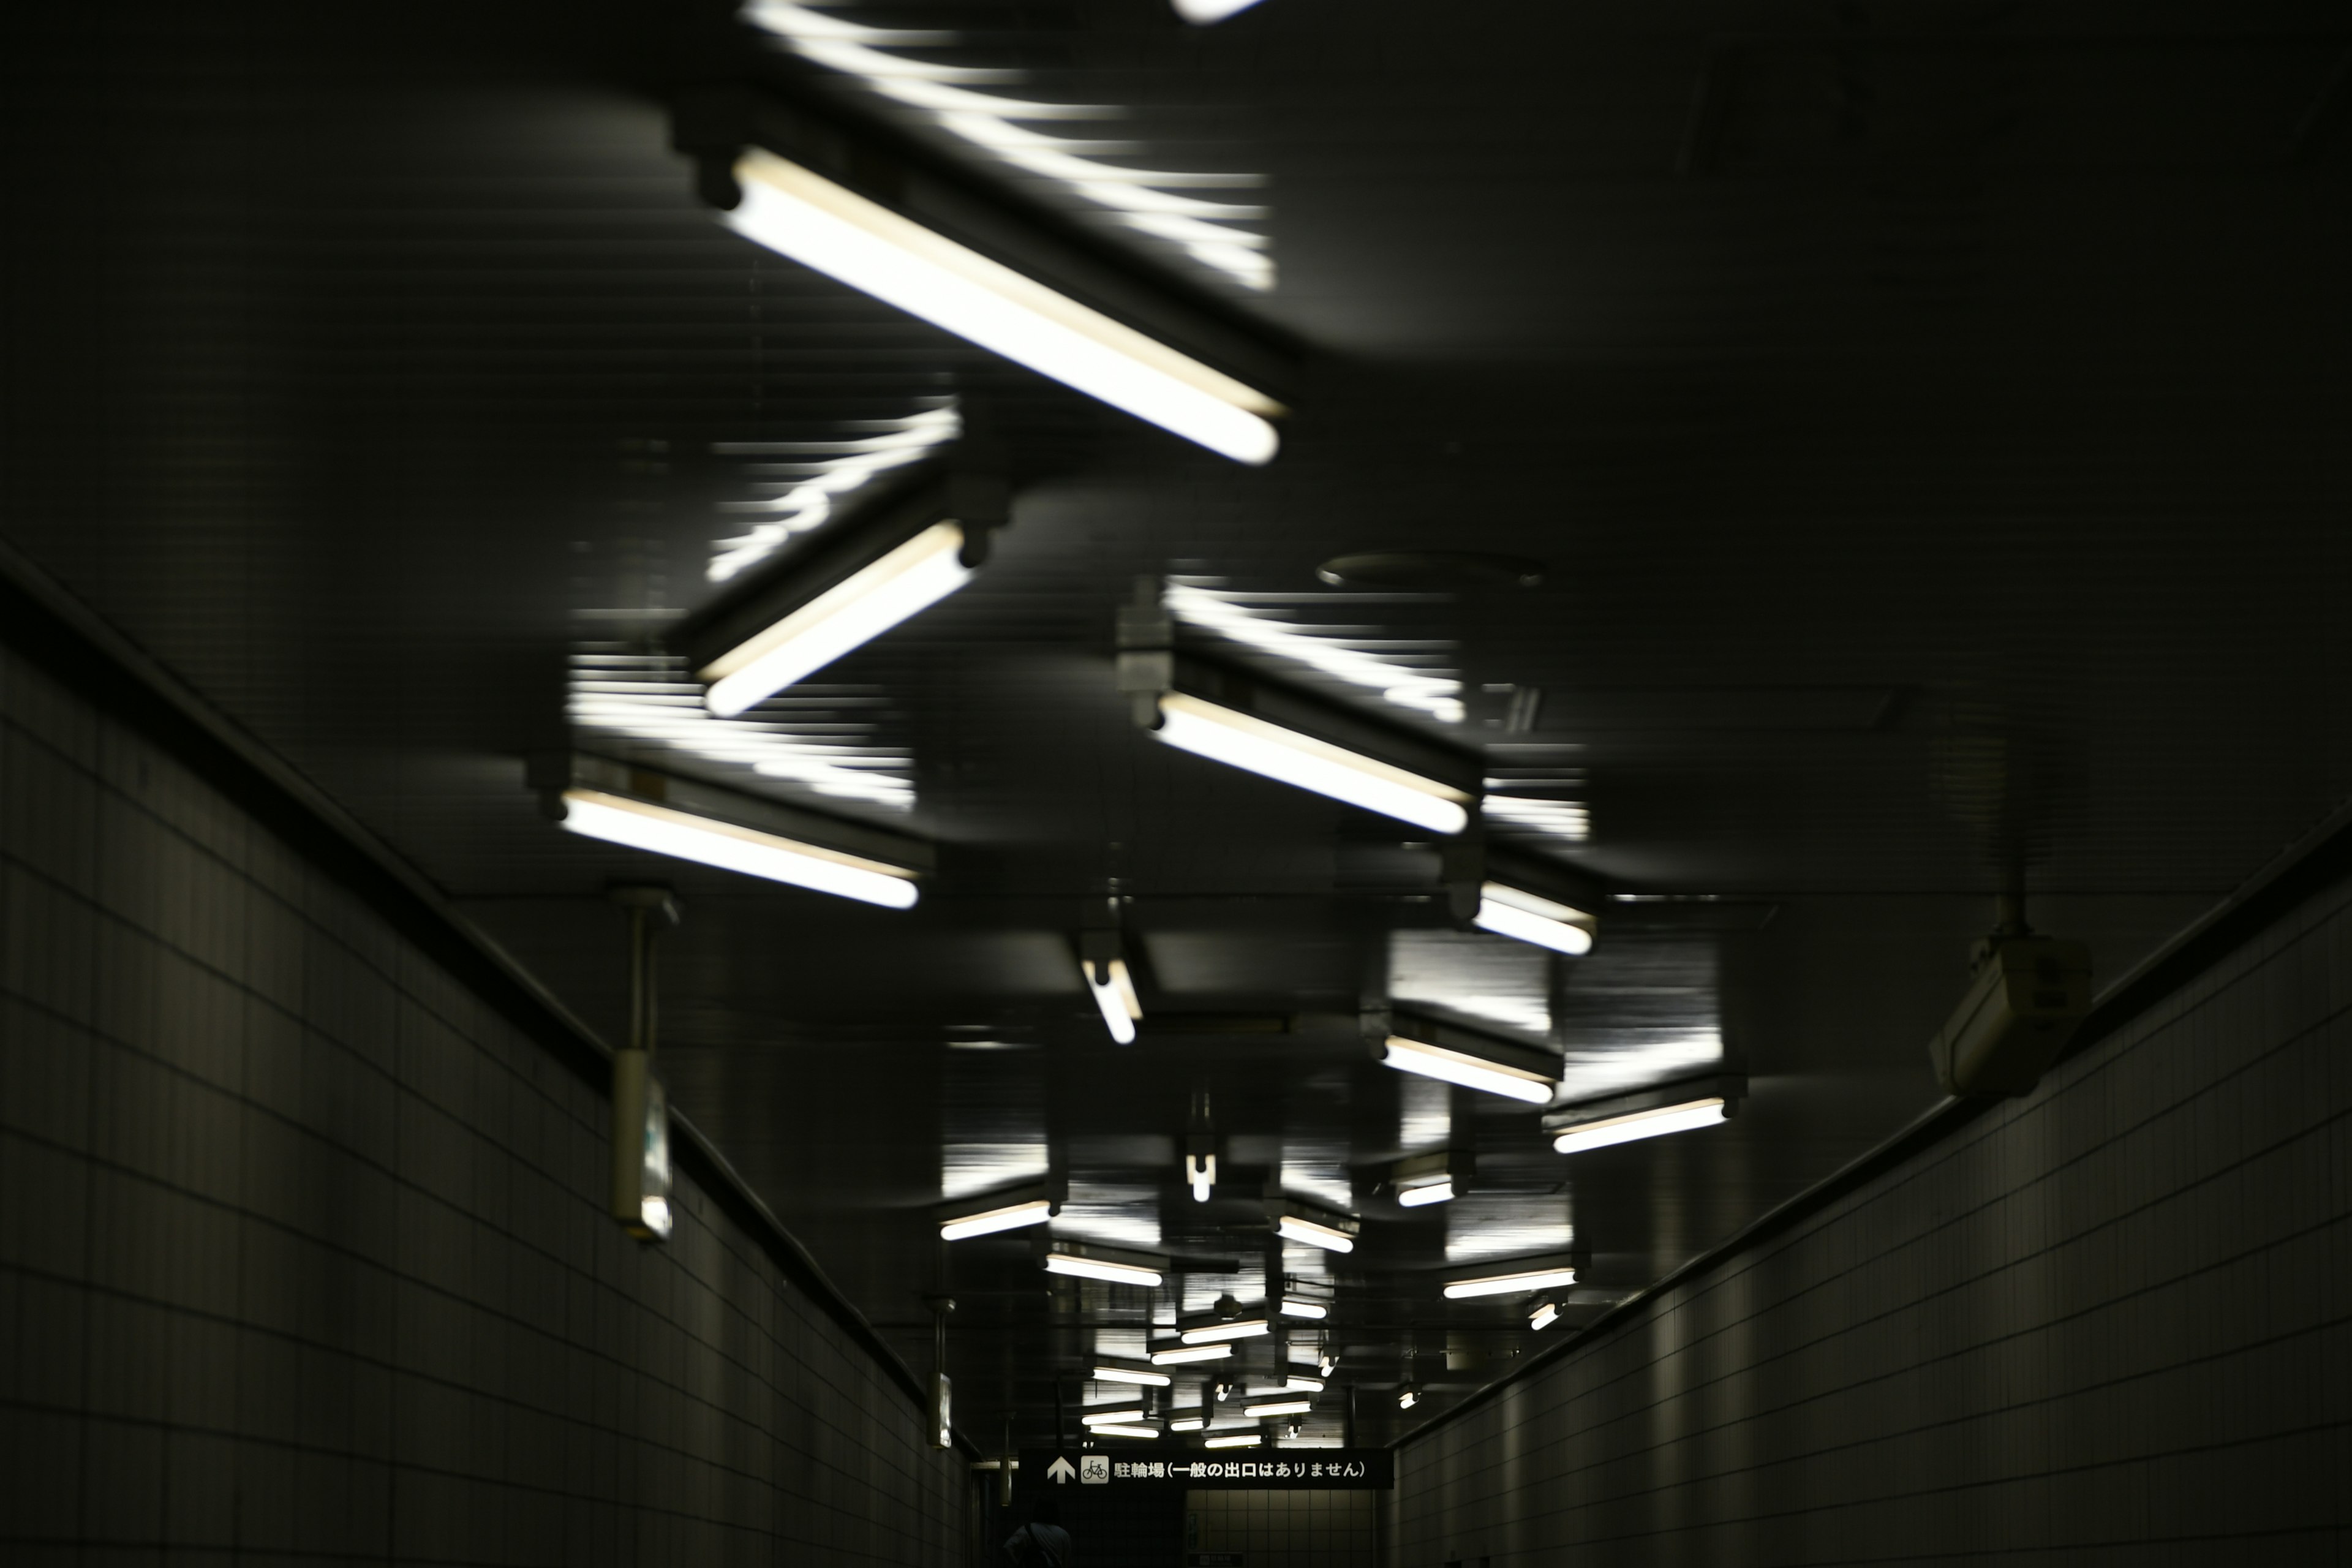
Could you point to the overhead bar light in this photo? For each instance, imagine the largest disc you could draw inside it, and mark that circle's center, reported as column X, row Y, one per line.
column 1524, row 898
column 1407, row 1397
column 1432, row 1049
column 1103, row 966
column 1235, row 1440
column 1010, row 1209
column 1108, row 1371
column 1207, row 13
column 1108, row 1414
column 1648, row 1113
column 1123, row 1430
column 1536, row 1274
column 1293, row 738
column 1432, row 1178
column 1201, row 1174
column 1314, row 1233
column 919, row 542
column 1278, row 1407
column 1188, row 1423
column 1546, row 1314
column 797, row 212
column 1228, row 1329
column 1298, row 1381
column 1303, row 1307
column 688, row 820
column 1180, row 1354
column 1111, row 1265
column 1526, row 917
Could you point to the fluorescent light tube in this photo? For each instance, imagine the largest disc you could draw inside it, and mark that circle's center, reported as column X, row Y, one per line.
column 800, row 214
column 1523, row 917
column 1188, row 1423
column 1469, row 1072
column 1176, row 1355
column 1328, row 1361
column 654, row 1211
column 1098, row 1417
column 1302, row 1383
column 849, row 615
column 1100, row 1268
column 1279, row 1407
column 665, row 830
column 1200, row 1172
column 1237, row 1440
column 1665, row 1118
column 1407, row 1398
column 1546, row 1314
column 1115, row 998
column 1293, row 1228
column 1509, row 1284
column 1205, row 13
column 1437, row 1192
column 1143, row 1375
column 1111, row 1431
column 1242, row 741
column 1011, row 1217
column 1239, row 1328
column 1299, row 1307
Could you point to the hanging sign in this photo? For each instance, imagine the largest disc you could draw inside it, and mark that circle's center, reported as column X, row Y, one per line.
column 1248, row 1469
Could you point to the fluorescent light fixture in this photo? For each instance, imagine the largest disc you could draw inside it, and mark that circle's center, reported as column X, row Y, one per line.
column 1526, row 917
column 1239, row 1328
column 1035, row 1210
column 654, row 1211
column 1103, row 1268
column 1440, row 1191
column 1407, row 1398
column 1278, row 1407
column 1207, row 13
column 1201, row 1174
column 1326, row 1363
column 1508, row 1284
column 1123, row 1431
column 1122, row 1412
column 1711, row 1112
column 1293, row 1227
column 1302, row 1383
column 1271, row 750
column 1107, row 1373
column 1470, row 1070
column 900, row 585
column 1178, row 1355
column 799, row 213
column 1235, row 1440
column 683, row 836
column 1546, row 1314
column 1300, row 1307
column 1114, row 995
column 1188, row 1423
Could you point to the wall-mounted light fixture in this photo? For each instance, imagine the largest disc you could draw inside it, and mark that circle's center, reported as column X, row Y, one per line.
column 1646, row 1114
column 915, row 545
column 686, row 819
column 1416, row 1044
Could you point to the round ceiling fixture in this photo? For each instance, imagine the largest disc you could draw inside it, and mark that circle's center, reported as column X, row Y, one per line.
column 1427, row 569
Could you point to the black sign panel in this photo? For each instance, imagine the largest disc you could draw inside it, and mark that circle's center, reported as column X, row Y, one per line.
column 1249, row 1470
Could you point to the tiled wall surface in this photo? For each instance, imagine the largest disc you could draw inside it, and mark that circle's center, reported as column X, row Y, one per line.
column 2106, row 1324
column 1285, row 1529
column 300, row 1250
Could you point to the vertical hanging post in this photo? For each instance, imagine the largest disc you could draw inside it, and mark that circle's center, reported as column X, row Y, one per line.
column 641, row 1168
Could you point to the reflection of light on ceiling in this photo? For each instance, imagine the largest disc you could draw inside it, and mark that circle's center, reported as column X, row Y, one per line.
column 1357, row 654
column 1141, row 199
column 1474, row 975
column 1119, row 1216
column 1567, row 819
column 1319, row 1171
column 1501, row 1225
column 813, row 475
column 648, row 699
column 1644, row 1010
column 1426, row 1114
column 968, row 1170
column 1635, row 1058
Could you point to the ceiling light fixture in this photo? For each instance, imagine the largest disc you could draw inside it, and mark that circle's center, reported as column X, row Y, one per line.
column 1111, row 1415
column 688, row 820
column 1407, row 1397
column 1546, row 1314
column 1327, row 1362
column 1416, row 1045
column 1207, row 13
column 1300, row 1307
column 1278, row 1407
column 1025, row 1211
column 1201, row 1174
column 1188, row 1423
column 1314, row 1233
column 1440, row 1191
column 1299, row 1382
column 1097, row 1263
column 1234, row 1329
column 797, row 212
column 1106, row 1371
column 1178, row 1355
column 1123, row 1431
column 1544, row 1277
column 1105, row 972
column 1286, row 756
column 1531, row 918
column 1646, row 1114
column 1237, row 1440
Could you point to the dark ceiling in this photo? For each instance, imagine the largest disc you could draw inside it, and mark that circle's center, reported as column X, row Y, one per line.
column 1931, row 421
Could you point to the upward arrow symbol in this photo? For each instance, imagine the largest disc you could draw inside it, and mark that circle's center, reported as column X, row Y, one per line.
column 1060, row 1472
